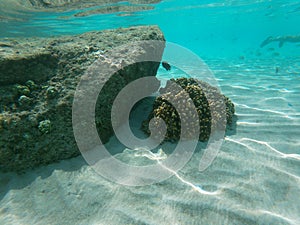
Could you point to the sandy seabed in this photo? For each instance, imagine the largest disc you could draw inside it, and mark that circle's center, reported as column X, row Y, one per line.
column 255, row 178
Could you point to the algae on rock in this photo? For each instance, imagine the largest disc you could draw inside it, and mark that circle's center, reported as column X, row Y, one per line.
column 38, row 79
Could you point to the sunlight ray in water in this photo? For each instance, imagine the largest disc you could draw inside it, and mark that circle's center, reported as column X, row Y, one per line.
column 250, row 124
column 283, row 114
column 296, row 177
column 284, row 155
column 160, row 155
column 250, row 49
column 241, row 142
column 285, row 219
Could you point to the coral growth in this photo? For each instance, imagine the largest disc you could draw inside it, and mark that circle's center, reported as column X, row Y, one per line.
column 210, row 104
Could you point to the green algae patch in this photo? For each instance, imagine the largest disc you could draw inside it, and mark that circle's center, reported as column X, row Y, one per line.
column 38, row 79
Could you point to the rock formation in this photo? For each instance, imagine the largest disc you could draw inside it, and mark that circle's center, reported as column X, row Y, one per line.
column 38, row 78
column 203, row 97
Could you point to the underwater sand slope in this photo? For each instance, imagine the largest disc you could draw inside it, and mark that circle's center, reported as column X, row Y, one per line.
column 240, row 187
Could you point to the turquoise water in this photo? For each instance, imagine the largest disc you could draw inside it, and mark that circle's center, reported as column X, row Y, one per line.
column 209, row 28
column 255, row 178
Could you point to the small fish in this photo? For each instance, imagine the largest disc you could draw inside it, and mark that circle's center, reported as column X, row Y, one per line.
column 277, row 69
column 166, row 65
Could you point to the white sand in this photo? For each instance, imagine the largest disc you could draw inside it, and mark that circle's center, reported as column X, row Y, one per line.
column 254, row 180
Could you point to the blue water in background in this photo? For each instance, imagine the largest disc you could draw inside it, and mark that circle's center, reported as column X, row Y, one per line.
column 209, row 28
column 257, row 170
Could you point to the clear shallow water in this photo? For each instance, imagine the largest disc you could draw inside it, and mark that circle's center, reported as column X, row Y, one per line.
column 255, row 178
column 209, row 28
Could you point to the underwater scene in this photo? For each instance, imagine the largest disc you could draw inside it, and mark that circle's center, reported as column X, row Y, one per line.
column 149, row 112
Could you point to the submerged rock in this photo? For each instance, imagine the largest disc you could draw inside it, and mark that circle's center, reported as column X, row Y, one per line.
column 38, row 79
column 203, row 97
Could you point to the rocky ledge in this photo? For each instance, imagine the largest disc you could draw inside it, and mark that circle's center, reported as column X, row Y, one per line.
column 38, row 78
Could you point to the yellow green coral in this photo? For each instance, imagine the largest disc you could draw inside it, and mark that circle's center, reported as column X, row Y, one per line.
column 204, row 97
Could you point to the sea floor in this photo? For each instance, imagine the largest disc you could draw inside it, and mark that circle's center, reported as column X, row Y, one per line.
column 255, row 179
